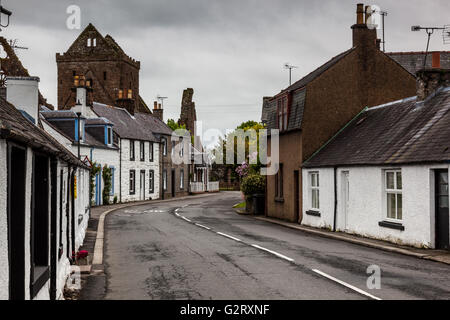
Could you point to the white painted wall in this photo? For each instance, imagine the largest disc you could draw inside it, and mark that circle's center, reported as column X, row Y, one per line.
column 367, row 203
column 138, row 165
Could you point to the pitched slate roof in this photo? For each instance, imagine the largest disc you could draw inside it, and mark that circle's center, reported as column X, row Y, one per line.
column 135, row 127
column 403, row 132
column 298, row 104
column 14, row 126
column 154, row 124
column 413, row 61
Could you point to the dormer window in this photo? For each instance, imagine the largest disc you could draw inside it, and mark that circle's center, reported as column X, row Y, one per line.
column 109, row 136
column 282, row 110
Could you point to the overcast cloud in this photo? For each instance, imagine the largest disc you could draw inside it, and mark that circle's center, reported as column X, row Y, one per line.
column 231, row 52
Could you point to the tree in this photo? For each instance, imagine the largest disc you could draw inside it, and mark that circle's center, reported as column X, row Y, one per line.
column 175, row 125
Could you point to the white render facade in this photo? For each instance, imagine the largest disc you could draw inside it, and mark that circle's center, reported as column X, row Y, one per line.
column 146, row 170
column 363, row 207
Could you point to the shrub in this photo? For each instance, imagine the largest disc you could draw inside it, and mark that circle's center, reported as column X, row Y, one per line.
column 94, row 171
column 253, row 184
column 107, row 180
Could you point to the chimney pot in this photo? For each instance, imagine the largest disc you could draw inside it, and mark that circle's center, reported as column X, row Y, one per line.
column 436, row 60
column 155, row 105
column 360, row 13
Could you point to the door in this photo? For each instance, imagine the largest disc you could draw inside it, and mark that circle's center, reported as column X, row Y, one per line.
column 173, row 182
column 16, row 221
column 345, row 200
column 142, row 185
column 296, row 196
column 442, row 210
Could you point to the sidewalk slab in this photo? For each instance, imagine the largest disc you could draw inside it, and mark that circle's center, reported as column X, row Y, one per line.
column 441, row 256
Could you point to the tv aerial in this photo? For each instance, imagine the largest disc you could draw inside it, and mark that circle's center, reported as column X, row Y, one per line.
column 289, row 67
column 430, row 31
column 161, row 99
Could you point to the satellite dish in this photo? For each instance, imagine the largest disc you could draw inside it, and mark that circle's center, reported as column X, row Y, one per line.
column 373, row 16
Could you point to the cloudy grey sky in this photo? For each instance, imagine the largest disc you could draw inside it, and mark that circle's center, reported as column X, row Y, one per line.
column 230, row 51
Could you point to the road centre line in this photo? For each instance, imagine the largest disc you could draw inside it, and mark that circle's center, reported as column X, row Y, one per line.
column 273, row 252
column 228, row 236
column 346, row 284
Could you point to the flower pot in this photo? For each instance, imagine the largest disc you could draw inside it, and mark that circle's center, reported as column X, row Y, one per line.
column 259, row 204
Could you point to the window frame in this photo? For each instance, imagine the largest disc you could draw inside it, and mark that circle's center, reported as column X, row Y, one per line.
column 142, row 150
column 132, row 182
column 151, row 151
column 132, row 150
column 396, row 192
column 312, row 188
column 164, row 146
column 279, row 190
column 151, row 181
column 164, row 178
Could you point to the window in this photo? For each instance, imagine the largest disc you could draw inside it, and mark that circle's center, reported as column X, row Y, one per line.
column 164, row 146
column 282, row 108
column 279, row 183
column 151, row 181
column 165, row 180
column 109, row 137
column 95, row 42
column 173, row 148
column 132, row 182
column 142, row 150
column 132, row 154
column 112, row 180
column 314, row 192
column 104, row 75
column 181, row 179
column 89, row 42
column 394, row 198
column 151, row 151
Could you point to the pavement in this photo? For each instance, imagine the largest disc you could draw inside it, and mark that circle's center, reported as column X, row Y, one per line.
column 198, row 249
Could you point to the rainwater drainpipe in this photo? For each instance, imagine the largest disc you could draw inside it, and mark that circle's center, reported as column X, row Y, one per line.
column 335, row 199
column 120, row 170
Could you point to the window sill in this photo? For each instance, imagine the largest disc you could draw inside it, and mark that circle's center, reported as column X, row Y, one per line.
column 313, row 213
column 392, row 225
column 279, row 200
column 41, row 275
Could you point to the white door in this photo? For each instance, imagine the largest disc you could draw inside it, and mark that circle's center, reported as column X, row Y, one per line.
column 142, row 184
column 345, row 197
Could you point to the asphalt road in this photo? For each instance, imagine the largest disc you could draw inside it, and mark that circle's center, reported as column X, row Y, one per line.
column 201, row 249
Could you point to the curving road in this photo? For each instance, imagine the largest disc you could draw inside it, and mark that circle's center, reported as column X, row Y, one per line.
column 201, row 249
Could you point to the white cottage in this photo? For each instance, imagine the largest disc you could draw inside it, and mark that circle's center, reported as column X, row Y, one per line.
column 385, row 175
column 44, row 192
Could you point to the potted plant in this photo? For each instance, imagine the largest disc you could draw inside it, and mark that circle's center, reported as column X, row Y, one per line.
column 253, row 187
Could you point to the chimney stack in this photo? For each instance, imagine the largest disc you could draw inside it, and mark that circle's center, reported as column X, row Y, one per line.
column 158, row 112
column 82, row 88
column 23, row 93
column 362, row 35
column 430, row 80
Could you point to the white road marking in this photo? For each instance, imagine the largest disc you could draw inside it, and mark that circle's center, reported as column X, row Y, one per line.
column 202, row 226
column 228, row 236
column 177, row 214
column 274, row 253
column 346, row 284
column 184, row 218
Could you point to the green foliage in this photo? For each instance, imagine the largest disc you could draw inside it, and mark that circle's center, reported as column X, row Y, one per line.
column 94, row 171
column 253, row 184
column 174, row 125
column 115, row 199
column 107, row 184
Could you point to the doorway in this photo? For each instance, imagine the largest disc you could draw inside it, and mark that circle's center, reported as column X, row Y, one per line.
column 345, row 200
column 173, row 183
column 16, row 220
column 296, row 196
column 142, row 186
column 442, row 210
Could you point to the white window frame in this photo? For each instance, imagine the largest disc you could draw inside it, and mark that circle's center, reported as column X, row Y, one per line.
column 312, row 188
column 165, row 180
column 132, row 182
column 181, row 179
column 396, row 191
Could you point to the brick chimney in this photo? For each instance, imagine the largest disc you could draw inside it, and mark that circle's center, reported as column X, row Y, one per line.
column 158, row 112
column 429, row 80
column 362, row 35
